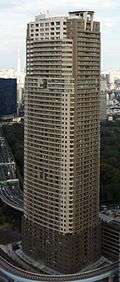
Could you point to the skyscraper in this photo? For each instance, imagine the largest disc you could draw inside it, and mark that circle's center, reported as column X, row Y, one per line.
column 8, row 98
column 61, row 169
column 20, row 85
column 103, row 98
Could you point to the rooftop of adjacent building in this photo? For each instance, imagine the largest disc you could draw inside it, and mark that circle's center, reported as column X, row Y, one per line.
column 111, row 215
column 7, row 73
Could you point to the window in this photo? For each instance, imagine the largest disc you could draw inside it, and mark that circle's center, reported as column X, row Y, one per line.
column 44, row 83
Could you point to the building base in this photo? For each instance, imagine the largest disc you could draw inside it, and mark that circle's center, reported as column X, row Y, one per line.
column 67, row 253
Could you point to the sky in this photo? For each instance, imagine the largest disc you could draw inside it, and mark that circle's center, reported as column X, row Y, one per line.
column 15, row 14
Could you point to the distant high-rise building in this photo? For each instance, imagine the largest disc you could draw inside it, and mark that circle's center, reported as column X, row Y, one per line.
column 103, row 98
column 61, row 169
column 113, row 76
column 8, row 97
column 20, row 84
column 20, row 76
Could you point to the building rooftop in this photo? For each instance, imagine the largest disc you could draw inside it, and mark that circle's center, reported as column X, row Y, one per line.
column 83, row 14
column 111, row 215
column 81, row 11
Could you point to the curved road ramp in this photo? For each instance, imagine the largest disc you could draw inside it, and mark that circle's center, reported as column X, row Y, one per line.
column 12, row 273
column 10, row 192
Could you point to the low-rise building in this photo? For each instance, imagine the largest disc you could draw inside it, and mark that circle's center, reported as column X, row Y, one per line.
column 111, row 234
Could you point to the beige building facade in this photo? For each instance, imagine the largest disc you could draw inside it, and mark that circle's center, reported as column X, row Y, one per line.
column 61, row 169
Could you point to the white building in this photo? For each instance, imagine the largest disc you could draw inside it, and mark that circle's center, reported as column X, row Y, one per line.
column 8, row 73
column 113, row 75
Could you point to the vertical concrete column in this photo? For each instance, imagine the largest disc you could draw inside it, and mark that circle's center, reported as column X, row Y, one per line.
column 85, row 19
column 91, row 18
column 110, row 279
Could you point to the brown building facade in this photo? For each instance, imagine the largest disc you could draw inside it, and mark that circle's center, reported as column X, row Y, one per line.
column 62, row 105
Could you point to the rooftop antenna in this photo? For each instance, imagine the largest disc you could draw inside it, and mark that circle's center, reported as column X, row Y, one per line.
column 18, row 64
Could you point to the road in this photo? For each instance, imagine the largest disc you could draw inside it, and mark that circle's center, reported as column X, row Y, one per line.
column 7, row 267
column 10, row 192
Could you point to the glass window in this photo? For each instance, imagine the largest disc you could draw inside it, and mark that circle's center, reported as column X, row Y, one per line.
column 57, row 23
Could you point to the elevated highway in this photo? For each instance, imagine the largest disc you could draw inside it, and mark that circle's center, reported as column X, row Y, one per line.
column 10, row 192
column 12, row 195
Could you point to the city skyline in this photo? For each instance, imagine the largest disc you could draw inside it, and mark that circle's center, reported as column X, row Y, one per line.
column 14, row 16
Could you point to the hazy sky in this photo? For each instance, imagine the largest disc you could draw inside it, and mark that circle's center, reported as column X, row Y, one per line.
column 14, row 15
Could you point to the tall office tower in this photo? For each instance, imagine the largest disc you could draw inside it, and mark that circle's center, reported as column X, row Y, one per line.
column 8, row 98
column 103, row 98
column 61, row 189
